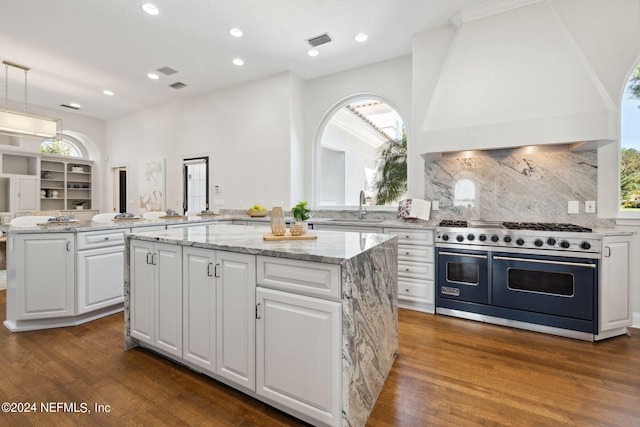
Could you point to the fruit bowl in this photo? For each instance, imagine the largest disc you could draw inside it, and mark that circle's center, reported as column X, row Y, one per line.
column 255, row 213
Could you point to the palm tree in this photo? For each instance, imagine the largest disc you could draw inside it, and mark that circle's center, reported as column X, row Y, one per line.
column 634, row 84
column 391, row 174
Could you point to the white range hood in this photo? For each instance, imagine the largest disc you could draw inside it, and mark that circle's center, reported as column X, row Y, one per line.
column 516, row 78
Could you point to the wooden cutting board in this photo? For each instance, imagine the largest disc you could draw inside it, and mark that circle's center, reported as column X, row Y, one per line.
column 288, row 236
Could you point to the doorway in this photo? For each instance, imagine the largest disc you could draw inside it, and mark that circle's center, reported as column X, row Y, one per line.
column 196, row 184
column 120, row 189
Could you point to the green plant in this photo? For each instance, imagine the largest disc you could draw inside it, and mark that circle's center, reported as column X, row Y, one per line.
column 301, row 211
column 391, row 174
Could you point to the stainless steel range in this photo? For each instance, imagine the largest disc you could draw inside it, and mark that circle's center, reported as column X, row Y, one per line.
column 536, row 276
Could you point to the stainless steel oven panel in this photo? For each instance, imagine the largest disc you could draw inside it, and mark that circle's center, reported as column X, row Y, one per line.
column 550, row 285
column 462, row 275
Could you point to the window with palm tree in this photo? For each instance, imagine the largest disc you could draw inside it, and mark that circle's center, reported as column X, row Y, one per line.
column 363, row 146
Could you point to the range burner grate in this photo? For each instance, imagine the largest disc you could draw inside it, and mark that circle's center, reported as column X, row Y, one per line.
column 546, row 226
column 453, row 223
column 538, row 226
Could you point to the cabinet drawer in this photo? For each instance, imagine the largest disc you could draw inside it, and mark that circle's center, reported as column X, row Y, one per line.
column 302, row 277
column 412, row 237
column 99, row 239
column 416, row 289
column 415, row 253
column 419, row 270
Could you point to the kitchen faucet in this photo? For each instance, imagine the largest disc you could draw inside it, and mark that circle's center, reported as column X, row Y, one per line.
column 362, row 211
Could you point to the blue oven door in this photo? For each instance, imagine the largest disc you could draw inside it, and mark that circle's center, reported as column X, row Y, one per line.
column 558, row 286
column 462, row 275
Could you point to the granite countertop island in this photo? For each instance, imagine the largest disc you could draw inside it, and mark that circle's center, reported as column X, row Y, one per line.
column 365, row 324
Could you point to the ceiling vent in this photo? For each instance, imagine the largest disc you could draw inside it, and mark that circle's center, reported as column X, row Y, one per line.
column 167, row 71
column 69, row 106
column 319, row 40
column 177, row 85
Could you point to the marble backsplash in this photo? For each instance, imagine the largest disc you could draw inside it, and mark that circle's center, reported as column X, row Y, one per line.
column 512, row 186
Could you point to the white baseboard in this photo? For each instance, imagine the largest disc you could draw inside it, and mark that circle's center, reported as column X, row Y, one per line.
column 636, row 320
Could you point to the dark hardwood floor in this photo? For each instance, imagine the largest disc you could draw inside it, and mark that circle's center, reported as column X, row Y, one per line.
column 448, row 372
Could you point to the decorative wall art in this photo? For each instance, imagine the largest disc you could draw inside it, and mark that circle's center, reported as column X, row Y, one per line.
column 151, row 185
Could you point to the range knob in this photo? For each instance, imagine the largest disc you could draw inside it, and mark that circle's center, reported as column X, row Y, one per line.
column 565, row 244
column 520, row 241
column 538, row 242
column 470, row 237
column 585, row 245
column 445, row 237
column 507, row 239
column 482, row 237
column 551, row 241
column 495, row 238
column 459, row 238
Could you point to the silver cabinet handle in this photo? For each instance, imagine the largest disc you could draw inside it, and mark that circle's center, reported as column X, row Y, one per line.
column 210, row 272
column 258, row 311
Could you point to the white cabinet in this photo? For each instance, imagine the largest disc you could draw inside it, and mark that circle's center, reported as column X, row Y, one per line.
column 298, row 353
column 26, row 194
column 298, row 335
column 614, row 286
column 219, row 311
column 156, row 295
column 415, row 268
column 99, row 270
column 44, row 272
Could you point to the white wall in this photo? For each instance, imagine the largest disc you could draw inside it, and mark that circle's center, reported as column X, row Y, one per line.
column 246, row 130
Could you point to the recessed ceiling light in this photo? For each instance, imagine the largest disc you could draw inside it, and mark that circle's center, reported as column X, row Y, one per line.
column 361, row 37
column 151, row 9
column 235, row 32
column 153, row 76
column 313, row 52
column 238, row 62
column 74, row 104
column 108, row 92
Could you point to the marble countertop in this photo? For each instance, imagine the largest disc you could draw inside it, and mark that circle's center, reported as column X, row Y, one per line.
column 332, row 247
column 82, row 226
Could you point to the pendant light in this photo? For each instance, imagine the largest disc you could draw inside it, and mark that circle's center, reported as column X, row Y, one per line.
column 22, row 123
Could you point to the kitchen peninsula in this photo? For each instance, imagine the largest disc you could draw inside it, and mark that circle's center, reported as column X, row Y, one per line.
column 309, row 327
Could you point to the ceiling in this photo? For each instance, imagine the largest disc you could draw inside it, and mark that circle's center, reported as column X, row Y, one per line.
column 78, row 48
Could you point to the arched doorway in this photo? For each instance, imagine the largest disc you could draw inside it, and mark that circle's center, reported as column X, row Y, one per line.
column 361, row 145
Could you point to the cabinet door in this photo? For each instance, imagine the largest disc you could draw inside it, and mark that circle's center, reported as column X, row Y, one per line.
column 236, row 284
column 99, row 278
column 167, row 260
column 142, row 291
column 615, row 298
column 299, row 352
column 28, row 194
column 45, row 275
column 199, row 307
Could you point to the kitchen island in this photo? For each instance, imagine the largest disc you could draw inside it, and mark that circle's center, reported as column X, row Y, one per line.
column 309, row 327
column 66, row 274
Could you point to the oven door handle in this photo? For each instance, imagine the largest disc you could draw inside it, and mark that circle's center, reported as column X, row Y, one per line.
column 541, row 261
column 463, row 255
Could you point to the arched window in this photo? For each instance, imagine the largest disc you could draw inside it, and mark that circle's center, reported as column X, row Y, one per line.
column 362, row 146
column 63, row 147
column 630, row 146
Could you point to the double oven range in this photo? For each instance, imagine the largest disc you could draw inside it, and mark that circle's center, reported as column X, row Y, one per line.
column 536, row 276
